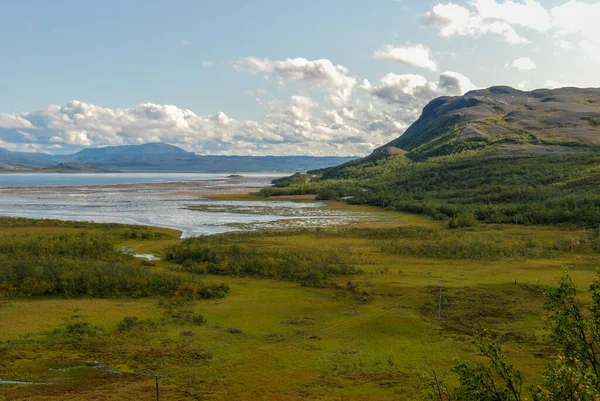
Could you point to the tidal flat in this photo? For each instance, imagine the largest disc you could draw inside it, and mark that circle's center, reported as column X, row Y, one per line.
column 152, row 200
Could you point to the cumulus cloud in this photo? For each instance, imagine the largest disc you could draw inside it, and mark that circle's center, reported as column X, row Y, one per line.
column 14, row 121
column 528, row 13
column 573, row 21
column 296, row 126
column 579, row 20
column 455, row 20
column 348, row 122
column 415, row 91
column 320, row 74
column 417, row 56
column 522, row 64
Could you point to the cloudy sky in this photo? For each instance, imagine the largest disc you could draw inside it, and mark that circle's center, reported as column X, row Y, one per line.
column 270, row 77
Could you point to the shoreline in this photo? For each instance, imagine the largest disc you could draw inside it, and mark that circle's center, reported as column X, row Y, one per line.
column 166, row 184
column 224, row 204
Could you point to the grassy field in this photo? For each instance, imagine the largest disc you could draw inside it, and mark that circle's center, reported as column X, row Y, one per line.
column 272, row 339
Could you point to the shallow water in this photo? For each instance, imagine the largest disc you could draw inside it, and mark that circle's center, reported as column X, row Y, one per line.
column 2, row 381
column 62, row 179
column 170, row 206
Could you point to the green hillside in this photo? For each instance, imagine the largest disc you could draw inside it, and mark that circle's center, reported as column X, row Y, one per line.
column 497, row 155
column 506, row 120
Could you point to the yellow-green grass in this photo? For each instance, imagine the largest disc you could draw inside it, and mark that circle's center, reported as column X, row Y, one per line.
column 23, row 317
column 297, row 343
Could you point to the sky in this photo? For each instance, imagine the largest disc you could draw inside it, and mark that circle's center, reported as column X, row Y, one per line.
column 270, row 77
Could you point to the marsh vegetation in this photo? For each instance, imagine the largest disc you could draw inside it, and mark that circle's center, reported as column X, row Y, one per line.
column 537, row 190
column 284, row 314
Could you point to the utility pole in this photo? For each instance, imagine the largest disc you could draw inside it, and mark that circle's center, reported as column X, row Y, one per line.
column 515, row 269
column 156, row 379
column 440, row 303
column 585, row 235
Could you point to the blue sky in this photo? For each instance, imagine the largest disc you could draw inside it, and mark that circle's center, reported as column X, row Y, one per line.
column 270, row 77
column 120, row 53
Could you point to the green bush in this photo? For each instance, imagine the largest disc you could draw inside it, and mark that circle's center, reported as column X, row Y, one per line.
column 82, row 264
column 225, row 255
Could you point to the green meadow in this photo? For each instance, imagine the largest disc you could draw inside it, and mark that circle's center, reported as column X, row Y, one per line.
column 345, row 313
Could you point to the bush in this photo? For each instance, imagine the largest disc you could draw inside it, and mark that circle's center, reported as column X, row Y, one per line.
column 131, row 323
column 191, row 291
column 75, row 329
column 463, row 220
column 84, row 264
column 228, row 255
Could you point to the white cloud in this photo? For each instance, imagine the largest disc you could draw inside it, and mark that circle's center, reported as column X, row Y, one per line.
column 573, row 21
column 579, row 22
column 527, row 13
column 591, row 49
column 552, row 84
column 576, row 17
column 9, row 121
column 321, row 74
column 398, row 100
column 415, row 90
column 299, row 125
column 417, row 56
column 349, row 122
column 405, row 88
column 454, row 20
column 296, row 126
column 27, row 136
column 524, row 85
column 564, row 44
column 185, row 43
column 207, row 63
column 454, row 84
column 522, row 64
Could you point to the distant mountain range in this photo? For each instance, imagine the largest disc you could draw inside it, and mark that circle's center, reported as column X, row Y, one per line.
column 165, row 157
column 67, row 167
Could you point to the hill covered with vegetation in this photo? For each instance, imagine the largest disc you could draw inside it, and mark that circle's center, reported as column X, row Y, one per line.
column 497, row 155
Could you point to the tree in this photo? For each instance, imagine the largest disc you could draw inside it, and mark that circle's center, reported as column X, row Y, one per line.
column 495, row 381
column 574, row 376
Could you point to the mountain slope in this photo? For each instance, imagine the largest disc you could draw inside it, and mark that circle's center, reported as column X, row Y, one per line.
column 73, row 167
column 130, row 151
column 16, row 168
column 506, row 120
column 497, row 155
column 27, row 158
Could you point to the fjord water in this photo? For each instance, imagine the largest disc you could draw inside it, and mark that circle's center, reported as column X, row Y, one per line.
column 62, row 179
column 155, row 199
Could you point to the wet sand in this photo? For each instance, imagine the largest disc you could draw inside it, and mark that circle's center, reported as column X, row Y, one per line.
column 170, row 205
